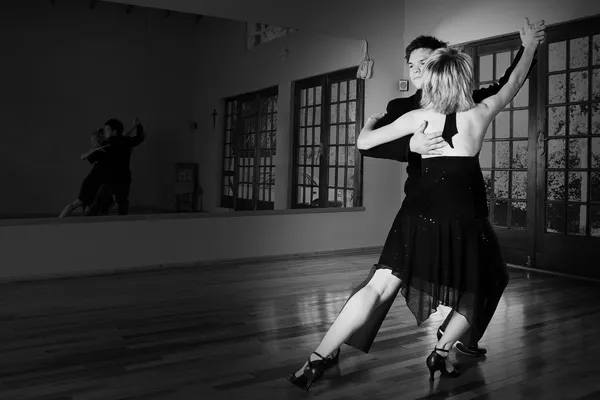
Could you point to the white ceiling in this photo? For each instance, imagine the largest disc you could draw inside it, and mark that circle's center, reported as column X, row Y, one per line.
column 345, row 18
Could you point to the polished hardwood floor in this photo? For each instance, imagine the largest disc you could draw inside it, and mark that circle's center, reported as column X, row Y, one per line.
column 235, row 331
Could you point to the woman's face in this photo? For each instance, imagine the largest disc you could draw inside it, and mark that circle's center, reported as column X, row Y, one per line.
column 416, row 62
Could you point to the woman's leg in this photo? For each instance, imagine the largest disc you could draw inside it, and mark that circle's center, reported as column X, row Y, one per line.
column 356, row 312
column 69, row 208
column 457, row 327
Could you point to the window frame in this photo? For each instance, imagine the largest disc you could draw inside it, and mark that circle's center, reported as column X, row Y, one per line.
column 325, row 81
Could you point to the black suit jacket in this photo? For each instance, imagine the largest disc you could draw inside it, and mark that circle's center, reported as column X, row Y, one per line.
column 399, row 149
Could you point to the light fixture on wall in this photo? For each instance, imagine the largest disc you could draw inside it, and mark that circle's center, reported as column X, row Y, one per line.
column 365, row 68
column 403, row 85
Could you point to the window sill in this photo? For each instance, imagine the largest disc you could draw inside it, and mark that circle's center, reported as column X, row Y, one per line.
column 151, row 217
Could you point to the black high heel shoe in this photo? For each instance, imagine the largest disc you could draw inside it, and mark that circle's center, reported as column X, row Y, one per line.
column 436, row 362
column 313, row 371
column 332, row 360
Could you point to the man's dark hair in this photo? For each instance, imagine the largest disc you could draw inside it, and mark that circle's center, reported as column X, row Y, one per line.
column 115, row 125
column 424, row 42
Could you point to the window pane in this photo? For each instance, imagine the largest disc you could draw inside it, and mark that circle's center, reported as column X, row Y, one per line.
column 555, row 218
column 352, row 111
column 578, row 153
column 595, row 221
column 578, row 52
column 333, row 135
column 578, row 186
column 343, row 112
column 352, row 95
column 556, row 121
column 556, row 186
column 596, row 49
column 352, row 134
column 557, row 56
column 595, row 152
column 334, row 114
column 557, row 89
column 576, row 219
column 520, row 123
column 595, row 184
column 486, row 68
column 342, row 134
column 503, row 125
column 518, row 217
column 502, row 63
column 343, row 91
column 556, row 153
column 519, row 154
column 596, row 85
column 502, row 157
column 311, row 96
column 578, row 121
column 501, row 184
column 595, row 118
column 519, row 185
column 578, row 86
column 501, row 213
column 350, row 178
column 350, row 198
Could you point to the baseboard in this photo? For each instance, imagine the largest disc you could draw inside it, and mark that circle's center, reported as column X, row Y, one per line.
column 190, row 265
column 546, row 272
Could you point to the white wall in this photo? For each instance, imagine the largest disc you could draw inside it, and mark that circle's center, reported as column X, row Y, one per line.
column 459, row 21
column 354, row 19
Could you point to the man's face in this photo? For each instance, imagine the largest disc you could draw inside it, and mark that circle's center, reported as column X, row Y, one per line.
column 108, row 132
column 416, row 61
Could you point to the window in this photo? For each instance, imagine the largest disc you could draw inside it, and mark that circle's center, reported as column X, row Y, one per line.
column 572, row 155
column 249, row 151
column 328, row 114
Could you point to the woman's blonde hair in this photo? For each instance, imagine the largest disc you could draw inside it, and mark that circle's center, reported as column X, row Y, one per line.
column 448, row 81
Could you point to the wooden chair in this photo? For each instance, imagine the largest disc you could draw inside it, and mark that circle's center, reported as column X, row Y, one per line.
column 187, row 188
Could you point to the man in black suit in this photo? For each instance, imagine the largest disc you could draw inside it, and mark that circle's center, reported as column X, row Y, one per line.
column 116, row 174
column 409, row 149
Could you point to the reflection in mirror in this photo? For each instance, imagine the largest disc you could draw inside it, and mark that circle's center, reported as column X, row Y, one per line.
column 117, row 109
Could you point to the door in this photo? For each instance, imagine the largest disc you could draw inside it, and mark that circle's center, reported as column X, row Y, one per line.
column 568, row 158
column 507, row 163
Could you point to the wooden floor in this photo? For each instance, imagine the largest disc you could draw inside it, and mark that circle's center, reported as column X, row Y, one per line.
column 237, row 331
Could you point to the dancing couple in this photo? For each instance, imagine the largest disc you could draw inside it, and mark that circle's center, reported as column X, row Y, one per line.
column 441, row 248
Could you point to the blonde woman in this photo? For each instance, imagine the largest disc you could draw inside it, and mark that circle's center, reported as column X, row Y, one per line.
column 441, row 248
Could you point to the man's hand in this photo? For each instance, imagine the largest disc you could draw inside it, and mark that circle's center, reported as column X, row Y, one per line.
column 532, row 34
column 372, row 120
column 427, row 144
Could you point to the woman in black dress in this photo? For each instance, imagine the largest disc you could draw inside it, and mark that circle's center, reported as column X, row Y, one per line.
column 91, row 183
column 441, row 248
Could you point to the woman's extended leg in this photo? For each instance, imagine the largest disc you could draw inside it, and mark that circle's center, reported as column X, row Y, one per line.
column 69, row 208
column 356, row 312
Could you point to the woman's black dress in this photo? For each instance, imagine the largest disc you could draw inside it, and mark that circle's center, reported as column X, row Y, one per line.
column 441, row 244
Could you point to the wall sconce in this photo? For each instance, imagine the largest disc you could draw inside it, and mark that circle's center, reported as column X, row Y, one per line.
column 403, row 85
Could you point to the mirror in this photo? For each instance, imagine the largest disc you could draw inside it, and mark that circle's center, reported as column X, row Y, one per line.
column 79, row 68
